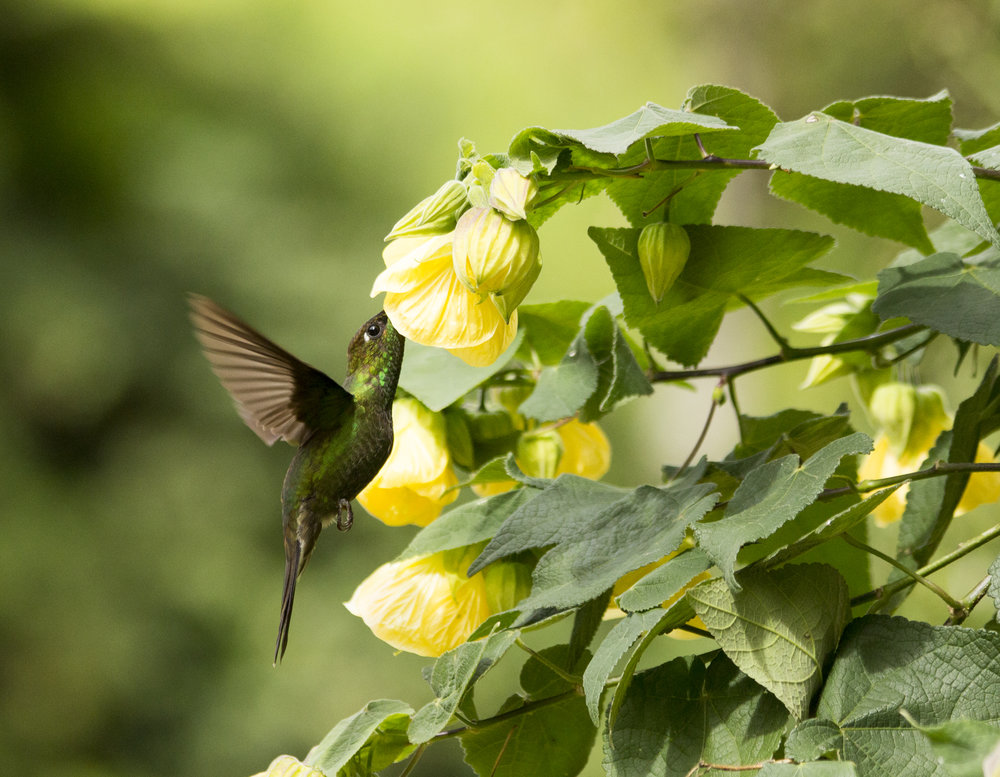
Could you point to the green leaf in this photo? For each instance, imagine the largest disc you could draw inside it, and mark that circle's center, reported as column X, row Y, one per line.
column 936, row 673
column 814, row 738
column 927, row 120
column 437, row 378
column 688, row 196
column 615, row 646
column 963, row 746
column 877, row 213
column 724, row 262
column 809, row 769
column 683, row 712
column 641, row 528
column 768, row 497
column 467, row 524
column 554, row 739
column 451, row 677
column 376, row 733
column 598, row 372
column 994, row 589
column 549, row 328
column 553, row 516
column 839, row 151
column 958, row 296
column 780, row 627
column 664, row 582
column 587, row 620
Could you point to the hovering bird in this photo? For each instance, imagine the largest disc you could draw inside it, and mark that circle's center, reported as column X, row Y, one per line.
column 343, row 433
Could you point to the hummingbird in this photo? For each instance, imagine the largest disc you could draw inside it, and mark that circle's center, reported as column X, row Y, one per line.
column 343, row 433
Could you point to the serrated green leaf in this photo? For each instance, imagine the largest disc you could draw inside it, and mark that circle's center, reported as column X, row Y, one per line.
column 957, row 296
column 664, row 582
column 619, row 376
column 467, row 524
column 812, row 739
column 687, row 196
column 359, row 732
column 451, row 677
column 927, row 120
column 887, row 664
column 834, row 150
column 549, row 328
column 877, row 213
column 553, row 516
column 539, row 681
column 586, row 621
column 963, row 746
column 555, row 739
column 768, row 497
column 809, row 769
column 563, row 389
column 680, row 713
column 641, row 528
column 972, row 141
column 613, row 648
column 779, row 628
column 437, row 378
column 724, row 262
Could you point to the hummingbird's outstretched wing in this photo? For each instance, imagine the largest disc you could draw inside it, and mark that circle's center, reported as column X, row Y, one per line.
column 278, row 396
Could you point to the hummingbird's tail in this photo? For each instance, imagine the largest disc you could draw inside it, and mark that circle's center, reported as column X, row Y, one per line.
column 287, row 599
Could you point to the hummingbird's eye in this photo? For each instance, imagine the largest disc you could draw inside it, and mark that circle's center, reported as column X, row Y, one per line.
column 373, row 331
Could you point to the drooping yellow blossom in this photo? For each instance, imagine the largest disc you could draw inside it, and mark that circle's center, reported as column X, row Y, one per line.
column 585, row 451
column 910, row 420
column 412, row 486
column 428, row 304
column 289, row 766
column 627, row 581
column 428, row 605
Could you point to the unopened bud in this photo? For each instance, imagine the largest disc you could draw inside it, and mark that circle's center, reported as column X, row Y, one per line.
column 510, row 193
column 538, row 453
column 663, row 252
column 433, row 215
column 494, row 255
column 507, row 583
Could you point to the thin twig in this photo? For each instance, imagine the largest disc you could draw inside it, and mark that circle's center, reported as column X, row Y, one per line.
column 554, row 668
column 974, row 597
column 701, row 437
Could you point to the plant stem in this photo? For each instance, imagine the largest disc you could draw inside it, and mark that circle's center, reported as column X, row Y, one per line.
column 524, row 709
column 969, row 602
column 963, row 549
column 700, row 440
column 556, row 669
column 771, row 330
column 870, row 343
column 947, row 598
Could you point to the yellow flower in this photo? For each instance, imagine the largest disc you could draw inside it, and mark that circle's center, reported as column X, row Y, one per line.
column 428, row 304
column 289, row 766
column 428, row 605
column 585, row 452
column 910, row 420
column 412, row 486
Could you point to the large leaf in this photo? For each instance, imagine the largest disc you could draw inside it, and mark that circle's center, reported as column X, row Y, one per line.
column 885, row 665
column 682, row 712
column 664, row 582
column 927, row 120
column 937, row 176
column 375, row 736
column 437, row 378
column 550, row 327
column 724, row 262
column 956, row 295
column 964, row 746
column 451, row 677
column 780, row 627
column 688, row 196
column 769, row 496
column 809, row 769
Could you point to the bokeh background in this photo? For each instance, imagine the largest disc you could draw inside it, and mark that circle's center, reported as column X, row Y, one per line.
column 257, row 151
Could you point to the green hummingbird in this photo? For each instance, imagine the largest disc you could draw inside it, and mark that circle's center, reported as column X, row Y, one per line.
column 343, row 433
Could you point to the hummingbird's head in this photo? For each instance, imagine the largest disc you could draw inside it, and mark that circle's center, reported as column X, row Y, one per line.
column 374, row 358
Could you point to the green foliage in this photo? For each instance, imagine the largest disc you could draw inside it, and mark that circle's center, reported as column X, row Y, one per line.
column 765, row 554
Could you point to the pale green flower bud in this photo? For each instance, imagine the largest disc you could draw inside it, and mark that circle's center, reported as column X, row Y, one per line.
column 510, row 193
column 494, row 255
column 506, row 583
column 538, row 453
column 663, row 252
column 433, row 215
column 827, row 319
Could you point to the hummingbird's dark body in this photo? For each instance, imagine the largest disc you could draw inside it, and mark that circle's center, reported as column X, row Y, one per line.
column 344, row 434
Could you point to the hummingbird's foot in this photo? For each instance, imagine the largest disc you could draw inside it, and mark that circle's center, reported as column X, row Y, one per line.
column 345, row 515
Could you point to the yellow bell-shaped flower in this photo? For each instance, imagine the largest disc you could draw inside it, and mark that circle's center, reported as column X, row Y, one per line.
column 412, row 486
column 428, row 304
column 429, row 605
column 910, row 420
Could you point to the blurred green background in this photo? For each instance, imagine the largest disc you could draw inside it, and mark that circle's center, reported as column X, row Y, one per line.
column 258, row 151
